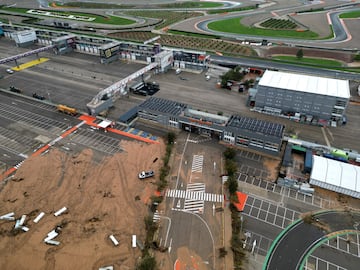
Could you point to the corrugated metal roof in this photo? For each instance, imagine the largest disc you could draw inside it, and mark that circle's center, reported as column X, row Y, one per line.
column 306, row 83
column 336, row 176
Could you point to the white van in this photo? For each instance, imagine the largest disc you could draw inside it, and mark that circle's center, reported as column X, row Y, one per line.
column 178, row 71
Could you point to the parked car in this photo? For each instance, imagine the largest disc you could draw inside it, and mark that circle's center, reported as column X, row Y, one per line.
column 146, row 174
column 14, row 89
column 10, row 71
column 38, row 96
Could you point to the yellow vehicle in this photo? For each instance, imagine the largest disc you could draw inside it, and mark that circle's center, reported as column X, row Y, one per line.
column 67, row 110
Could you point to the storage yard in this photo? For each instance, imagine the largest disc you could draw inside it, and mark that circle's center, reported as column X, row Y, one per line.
column 95, row 209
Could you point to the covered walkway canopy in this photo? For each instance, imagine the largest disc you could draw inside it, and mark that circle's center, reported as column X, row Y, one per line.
column 336, row 176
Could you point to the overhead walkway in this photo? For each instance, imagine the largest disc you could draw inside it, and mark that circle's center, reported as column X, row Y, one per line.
column 25, row 54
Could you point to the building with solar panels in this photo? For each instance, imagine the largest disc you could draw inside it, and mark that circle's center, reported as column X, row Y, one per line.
column 252, row 133
column 245, row 132
column 161, row 111
column 289, row 93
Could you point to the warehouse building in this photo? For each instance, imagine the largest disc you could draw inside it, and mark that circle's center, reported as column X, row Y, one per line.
column 336, row 176
column 324, row 99
column 236, row 130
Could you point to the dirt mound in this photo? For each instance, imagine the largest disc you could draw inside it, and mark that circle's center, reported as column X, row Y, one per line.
column 101, row 198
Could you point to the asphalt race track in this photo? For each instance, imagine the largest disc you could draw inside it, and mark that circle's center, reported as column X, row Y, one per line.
column 298, row 240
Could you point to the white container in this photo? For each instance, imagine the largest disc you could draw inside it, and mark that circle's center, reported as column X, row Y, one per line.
column 51, row 235
column 52, row 242
column 25, row 229
column 17, row 224
column 22, row 220
column 59, row 212
column 133, row 242
column 113, row 239
column 9, row 216
column 40, row 216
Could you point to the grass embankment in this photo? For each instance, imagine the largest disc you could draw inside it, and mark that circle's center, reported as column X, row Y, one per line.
column 89, row 5
column 113, row 20
column 166, row 17
column 350, row 15
column 234, row 26
column 191, row 34
column 235, row 9
column 309, row 60
column 188, row 42
column 119, row 6
column 192, row 5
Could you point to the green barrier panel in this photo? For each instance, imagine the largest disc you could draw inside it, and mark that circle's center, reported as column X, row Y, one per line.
column 322, row 240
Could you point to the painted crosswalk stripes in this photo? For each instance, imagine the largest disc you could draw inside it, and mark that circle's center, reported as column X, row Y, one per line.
column 17, row 166
column 156, row 217
column 197, row 163
column 189, row 195
column 196, row 187
column 195, row 202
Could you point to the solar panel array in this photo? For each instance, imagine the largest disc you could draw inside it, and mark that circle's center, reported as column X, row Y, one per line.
column 255, row 125
column 163, row 106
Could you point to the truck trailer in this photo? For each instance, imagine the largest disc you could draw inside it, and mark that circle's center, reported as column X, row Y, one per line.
column 67, row 110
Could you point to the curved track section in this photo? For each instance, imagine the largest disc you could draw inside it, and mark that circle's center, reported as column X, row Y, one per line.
column 341, row 34
column 293, row 245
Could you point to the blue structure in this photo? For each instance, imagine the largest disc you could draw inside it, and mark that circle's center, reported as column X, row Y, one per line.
column 308, row 161
column 330, row 156
column 1, row 29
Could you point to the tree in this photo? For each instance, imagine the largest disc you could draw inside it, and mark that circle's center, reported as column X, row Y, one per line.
column 300, row 54
column 232, row 185
column 231, row 75
column 171, row 137
column 230, row 153
column 357, row 57
column 147, row 263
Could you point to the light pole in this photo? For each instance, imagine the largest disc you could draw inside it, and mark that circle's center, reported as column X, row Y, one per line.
column 241, row 223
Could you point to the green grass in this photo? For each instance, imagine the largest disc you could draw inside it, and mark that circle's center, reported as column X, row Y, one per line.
column 216, row 11
column 311, row 10
column 192, row 5
column 233, row 25
column 119, row 6
column 113, row 20
column 92, row 5
column 309, row 60
column 350, row 15
column 190, row 34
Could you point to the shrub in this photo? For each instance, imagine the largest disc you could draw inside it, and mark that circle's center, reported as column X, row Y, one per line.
column 148, row 262
column 229, row 153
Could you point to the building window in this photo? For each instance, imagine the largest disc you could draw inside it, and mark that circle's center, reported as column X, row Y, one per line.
column 340, row 103
column 271, row 146
column 241, row 140
column 256, row 143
